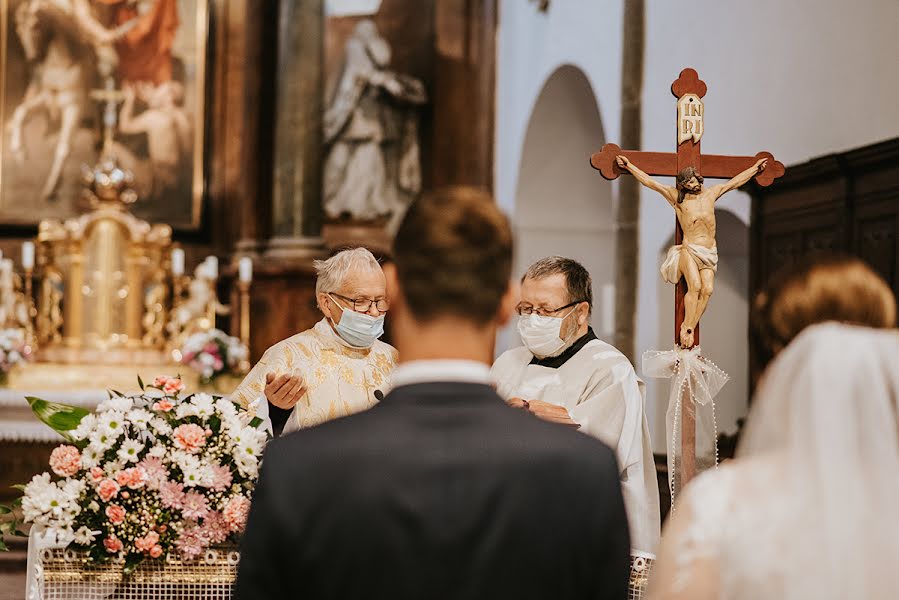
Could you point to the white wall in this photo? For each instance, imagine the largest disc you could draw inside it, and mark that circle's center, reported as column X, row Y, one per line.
column 800, row 79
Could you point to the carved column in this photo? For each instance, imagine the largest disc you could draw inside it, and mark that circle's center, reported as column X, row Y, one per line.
column 297, row 160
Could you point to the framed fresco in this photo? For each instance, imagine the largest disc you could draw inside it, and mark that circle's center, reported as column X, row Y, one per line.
column 73, row 70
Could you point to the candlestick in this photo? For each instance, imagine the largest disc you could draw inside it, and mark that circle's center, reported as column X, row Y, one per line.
column 245, row 269
column 212, row 271
column 29, row 301
column 212, row 266
column 244, row 289
column 28, row 255
column 177, row 262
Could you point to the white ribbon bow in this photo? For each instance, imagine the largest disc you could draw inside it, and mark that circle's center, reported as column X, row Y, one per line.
column 694, row 377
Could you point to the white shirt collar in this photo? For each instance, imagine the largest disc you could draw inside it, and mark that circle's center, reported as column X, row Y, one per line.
column 431, row 371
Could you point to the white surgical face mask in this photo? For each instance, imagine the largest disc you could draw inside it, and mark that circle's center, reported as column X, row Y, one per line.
column 359, row 330
column 542, row 335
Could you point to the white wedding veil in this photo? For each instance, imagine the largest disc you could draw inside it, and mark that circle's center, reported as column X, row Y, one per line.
column 826, row 409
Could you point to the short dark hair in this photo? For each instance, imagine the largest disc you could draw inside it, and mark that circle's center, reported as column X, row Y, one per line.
column 453, row 255
column 577, row 278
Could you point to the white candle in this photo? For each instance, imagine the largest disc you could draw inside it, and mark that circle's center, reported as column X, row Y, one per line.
column 212, row 267
column 28, row 255
column 177, row 262
column 245, row 269
column 608, row 308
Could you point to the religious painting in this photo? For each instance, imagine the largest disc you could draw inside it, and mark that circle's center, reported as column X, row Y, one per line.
column 83, row 77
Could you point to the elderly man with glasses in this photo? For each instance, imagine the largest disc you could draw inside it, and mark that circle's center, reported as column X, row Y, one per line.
column 565, row 374
column 339, row 367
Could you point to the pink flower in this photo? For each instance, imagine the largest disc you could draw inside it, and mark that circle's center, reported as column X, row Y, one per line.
column 218, row 365
column 116, row 514
column 169, row 385
column 107, row 490
column 113, row 544
column 156, row 551
column 171, row 494
column 194, row 506
column 146, row 543
column 155, row 470
column 215, row 528
column 96, row 474
column 65, row 460
column 211, row 348
column 191, row 542
column 164, row 405
column 135, row 477
column 189, row 437
column 221, row 478
column 236, row 512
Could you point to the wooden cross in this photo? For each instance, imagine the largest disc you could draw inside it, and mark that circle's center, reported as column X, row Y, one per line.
column 689, row 90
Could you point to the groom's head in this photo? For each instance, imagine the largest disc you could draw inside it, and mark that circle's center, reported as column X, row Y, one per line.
column 452, row 262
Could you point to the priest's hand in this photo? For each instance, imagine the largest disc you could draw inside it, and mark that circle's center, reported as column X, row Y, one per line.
column 550, row 412
column 284, row 391
column 517, row 403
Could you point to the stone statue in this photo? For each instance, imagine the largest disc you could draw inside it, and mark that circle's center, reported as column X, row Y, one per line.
column 192, row 313
column 50, row 315
column 153, row 321
column 373, row 168
column 696, row 259
column 13, row 309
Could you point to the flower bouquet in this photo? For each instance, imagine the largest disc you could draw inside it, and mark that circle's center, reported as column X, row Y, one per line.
column 213, row 353
column 13, row 350
column 147, row 475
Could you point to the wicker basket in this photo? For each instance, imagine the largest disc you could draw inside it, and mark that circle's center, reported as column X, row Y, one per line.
column 69, row 575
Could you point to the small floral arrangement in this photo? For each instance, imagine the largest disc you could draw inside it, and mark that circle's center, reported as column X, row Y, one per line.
column 13, row 350
column 213, row 353
column 147, row 474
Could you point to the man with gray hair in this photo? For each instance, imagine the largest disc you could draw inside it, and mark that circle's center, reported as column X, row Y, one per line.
column 565, row 374
column 336, row 368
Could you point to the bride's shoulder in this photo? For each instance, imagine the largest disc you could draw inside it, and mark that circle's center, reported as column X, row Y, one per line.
column 730, row 480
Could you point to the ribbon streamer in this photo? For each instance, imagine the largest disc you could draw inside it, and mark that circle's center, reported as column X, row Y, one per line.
column 694, row 377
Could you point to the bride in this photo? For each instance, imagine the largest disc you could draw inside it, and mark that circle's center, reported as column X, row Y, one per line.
column 810, row 509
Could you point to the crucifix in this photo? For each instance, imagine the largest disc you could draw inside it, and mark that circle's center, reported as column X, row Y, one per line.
column 110, row 97
column 692, row 262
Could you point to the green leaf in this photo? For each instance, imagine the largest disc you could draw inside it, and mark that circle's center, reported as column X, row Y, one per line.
column 256, row 422
column 62, row 418
column 3, row 547
column 19, row 486
column 140, row 382
column 117, row 393
column 7, row 527
column 5, row 510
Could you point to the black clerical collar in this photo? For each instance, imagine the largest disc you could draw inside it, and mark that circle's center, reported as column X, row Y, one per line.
column 554, row 362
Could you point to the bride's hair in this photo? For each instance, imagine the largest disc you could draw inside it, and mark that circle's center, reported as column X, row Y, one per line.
column 835, row 288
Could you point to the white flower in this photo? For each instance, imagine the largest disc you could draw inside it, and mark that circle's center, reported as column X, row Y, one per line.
column 129, row 451
column 204, row 404
column 225, row 407
column 85, row 536
column 116, row 403
column 197, row 474
column 92, row 455
column 112, row 423
column 140, row 417
column 93, row 506
column 161, row 426
column 184, row 410
column 85, row 427
column 157, row 451
column 46, row 503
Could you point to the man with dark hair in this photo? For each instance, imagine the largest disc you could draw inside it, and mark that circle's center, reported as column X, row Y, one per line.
column 565, row 374
column 441, row 490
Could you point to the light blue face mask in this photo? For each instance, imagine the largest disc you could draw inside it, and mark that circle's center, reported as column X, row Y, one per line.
column 359, row 330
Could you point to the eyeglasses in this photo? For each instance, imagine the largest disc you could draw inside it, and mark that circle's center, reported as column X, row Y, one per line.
column 363, row 305
column 525, row 310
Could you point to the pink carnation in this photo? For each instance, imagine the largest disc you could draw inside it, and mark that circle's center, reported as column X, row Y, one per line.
column 96, row 474
column 107, row 490
column 194, row 506
column 189, row 437
column 215, row 528
column 164, row 405
column 113, row 544
column 156, row 551
column 146, row 543
column 171, row 494
column 236, row 512
column 116, row 514
column 65, row 461
column 221, row 477
column 155, row 470
column 191, row 542
column 211, row 348
column 135, row 477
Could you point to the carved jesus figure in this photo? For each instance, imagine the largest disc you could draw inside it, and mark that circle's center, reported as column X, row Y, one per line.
column 696, row 259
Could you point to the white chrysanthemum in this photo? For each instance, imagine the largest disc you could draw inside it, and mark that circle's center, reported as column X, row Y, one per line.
column 129, row 451
column 39, row 493
column 92, row 455
column 102, row 440
column 157, row 451
column 85, row 427
column 117, row 404
column 197, row 474
column 85, row 536
column 140, row 417
column 225, row 407
column 48, row 504
column 161, row 426
column 112, row 423
column 185, row 409
column 204, row 404
column 112, row 467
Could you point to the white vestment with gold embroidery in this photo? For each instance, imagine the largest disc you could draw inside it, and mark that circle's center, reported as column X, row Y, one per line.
column 340, row 380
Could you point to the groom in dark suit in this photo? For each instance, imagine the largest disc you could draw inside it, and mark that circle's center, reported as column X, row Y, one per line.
column 441, row 490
